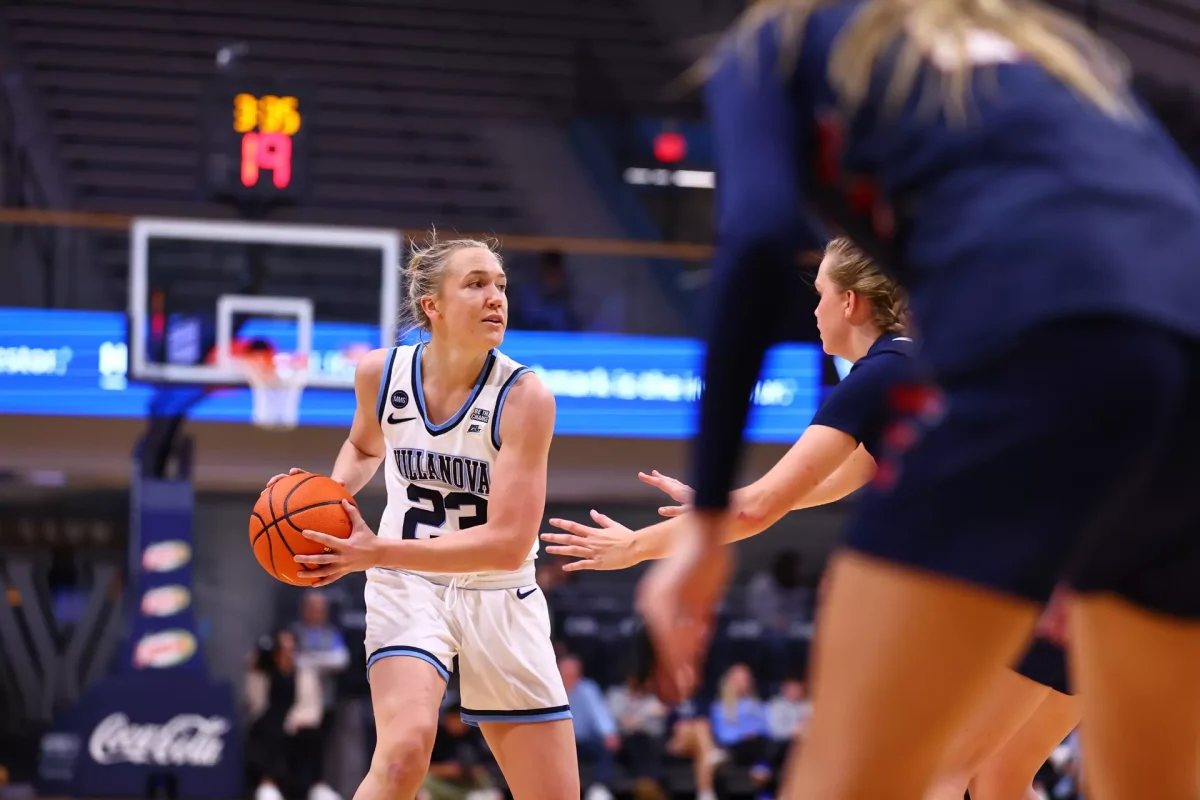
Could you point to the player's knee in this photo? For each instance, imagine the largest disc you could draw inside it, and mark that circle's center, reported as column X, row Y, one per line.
column 404, row 758
column 400, row 764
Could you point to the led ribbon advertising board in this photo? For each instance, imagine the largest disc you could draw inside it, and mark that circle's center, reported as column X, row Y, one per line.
column 57, row 362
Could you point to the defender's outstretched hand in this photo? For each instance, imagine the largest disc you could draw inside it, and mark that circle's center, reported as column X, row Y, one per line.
column 677, row 490
column 607, row 547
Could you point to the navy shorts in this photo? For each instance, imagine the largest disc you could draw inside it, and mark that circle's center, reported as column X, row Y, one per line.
column 1046, row 663
column 1073, row 456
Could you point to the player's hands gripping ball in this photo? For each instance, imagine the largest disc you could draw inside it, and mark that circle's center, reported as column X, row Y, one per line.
column 290, row 504
column 357, row 552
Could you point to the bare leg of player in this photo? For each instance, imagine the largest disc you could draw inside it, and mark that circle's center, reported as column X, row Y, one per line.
column 902, row 659
column 1011, row 702
column 1009, row 771
column 1136, row 673
column 406, row 694
column 537, row 758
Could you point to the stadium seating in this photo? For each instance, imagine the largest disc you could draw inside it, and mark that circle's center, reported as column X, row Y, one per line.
column 398, row 87
column 398, row 82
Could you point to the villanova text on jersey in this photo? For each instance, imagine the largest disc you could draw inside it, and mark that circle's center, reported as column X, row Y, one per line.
column 439, row 475
column 458, row 472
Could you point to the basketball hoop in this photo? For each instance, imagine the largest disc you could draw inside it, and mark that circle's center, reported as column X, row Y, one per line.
column 276, row 381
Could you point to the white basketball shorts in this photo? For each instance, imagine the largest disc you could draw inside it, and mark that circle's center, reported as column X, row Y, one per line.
column 507, row 668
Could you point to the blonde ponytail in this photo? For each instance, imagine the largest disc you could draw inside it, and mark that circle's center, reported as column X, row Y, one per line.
column 851, row 270
column 1062, row 47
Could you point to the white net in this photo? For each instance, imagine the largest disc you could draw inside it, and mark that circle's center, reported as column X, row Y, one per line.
column 277, row 383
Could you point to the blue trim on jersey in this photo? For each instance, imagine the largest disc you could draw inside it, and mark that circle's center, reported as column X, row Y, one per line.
column 473, row 717
column 385, row 384
column 410, row 652
column 504, row 390
column 419, row 393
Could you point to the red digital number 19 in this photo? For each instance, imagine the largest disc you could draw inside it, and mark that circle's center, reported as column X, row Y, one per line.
column 269, row 151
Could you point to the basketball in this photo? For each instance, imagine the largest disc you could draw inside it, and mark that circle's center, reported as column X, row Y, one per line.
column 296, row 503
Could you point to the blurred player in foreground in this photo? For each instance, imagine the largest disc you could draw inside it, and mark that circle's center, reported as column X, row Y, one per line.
column 451, row 572
column 861, row 317
column 990, row 155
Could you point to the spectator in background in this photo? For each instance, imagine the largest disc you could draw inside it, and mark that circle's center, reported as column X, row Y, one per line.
column 789, row 711
column 14, row 791
column 67, row 592
column 546, row 304
column 739, row 723
column 641, row 721
column 320, row 645
column 1066, row 781
column 550, row 575
column 552, row 580
column 788, row 714
column 283, row 701
column 596, row 738
column 777, row 598
column 691, row 738
column 459, row 767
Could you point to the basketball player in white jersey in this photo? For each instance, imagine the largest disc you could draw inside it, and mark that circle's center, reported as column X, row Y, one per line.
column 464, row 434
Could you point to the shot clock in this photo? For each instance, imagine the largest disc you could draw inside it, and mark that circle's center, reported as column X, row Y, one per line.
column 256, row 140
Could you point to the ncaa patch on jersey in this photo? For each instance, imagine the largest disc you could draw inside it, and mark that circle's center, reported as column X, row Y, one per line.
column 399, row 398
column 480, row 415
column 474, row 429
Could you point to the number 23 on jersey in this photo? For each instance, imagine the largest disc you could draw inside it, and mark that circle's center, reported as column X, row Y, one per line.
column 430, row 507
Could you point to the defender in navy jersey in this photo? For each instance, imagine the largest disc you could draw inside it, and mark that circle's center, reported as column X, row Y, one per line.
column 1048, row 232
column 862, row 317
column 858, row 406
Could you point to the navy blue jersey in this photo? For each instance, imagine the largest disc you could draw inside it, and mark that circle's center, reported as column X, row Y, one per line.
column 858, row 406
column 1037, row 207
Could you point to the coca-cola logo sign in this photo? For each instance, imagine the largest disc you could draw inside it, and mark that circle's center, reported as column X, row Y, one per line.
column 166, row 556
column 164, row 649
column 185, row 740
column 165, row 601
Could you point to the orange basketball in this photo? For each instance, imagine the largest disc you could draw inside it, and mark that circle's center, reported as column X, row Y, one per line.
column 296, row 503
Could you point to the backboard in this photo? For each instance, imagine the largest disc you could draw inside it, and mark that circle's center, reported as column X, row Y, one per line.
column 199, row 290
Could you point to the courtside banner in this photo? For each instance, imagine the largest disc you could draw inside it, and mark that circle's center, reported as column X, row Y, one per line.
column 128, row 734
column 162, row 625
column 58, row 362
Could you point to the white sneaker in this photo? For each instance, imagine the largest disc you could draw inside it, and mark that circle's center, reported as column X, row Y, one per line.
column 268, row 791
column 322, row 791
column 598, row 791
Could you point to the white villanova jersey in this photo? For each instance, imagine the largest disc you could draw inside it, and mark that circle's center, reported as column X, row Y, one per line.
column 439, row 477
